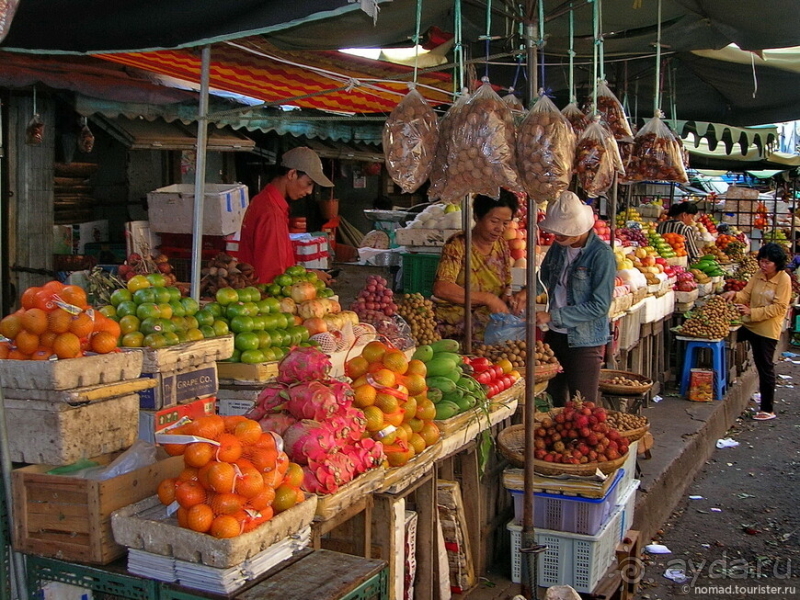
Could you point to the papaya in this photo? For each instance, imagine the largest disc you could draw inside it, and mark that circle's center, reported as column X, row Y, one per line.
column 440, row 366
column 445, row 346
column 456, row 358
column 423, row 353
column 454, row 375
column 434, row 394
column 466, row 403
column 445, row 410
column 441, row 383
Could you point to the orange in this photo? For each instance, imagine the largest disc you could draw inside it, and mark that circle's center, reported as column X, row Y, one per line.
column 410, row 408
column 27, row 342
column 198, row 454
column 364, row 395
column 53, row 286
column 430, row 433
column 294, row 475
column 395, row 361
column 44, row 300
column 272, row 478
column 199, row 518
column 282, row 462
column 415, row 424
column 285, row 498
column 67, row 345
column 5, row 348
column 267, row 440
column 209, row 427
column 222, row 477
column 188, row 474
column 264, row 515
column 230, row 422
column 42, row 353
column 426, row 410
column 387, row 403
column 356, row 367
column 264, row 459
column 166, row 491
column 229, row 449
column 28, row 297
column 73, row 294
column 183, row 517
column 58, row 321
column 417, row 442
column 103, row 342
column 250, row 484
column 416, row 384
column 81, row 325
column 394, row 418
column 225, row 526
column 263, row 499
column 374, row 417
column 416, row 367
column 10, row 326
column 202, row 474
column 248, row 432
column 385, row 377
column 374, row 351
column 17, row 355
column 190, row 493
column 34, row 320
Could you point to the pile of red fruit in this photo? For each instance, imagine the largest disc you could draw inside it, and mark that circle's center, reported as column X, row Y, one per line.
column 734, row 285
column 601, row 229
column 136, row 264
column 375, row 301
column 577, row 435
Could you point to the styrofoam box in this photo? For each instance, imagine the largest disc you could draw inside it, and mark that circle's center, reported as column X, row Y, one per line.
column 649, row 310
column 229, row 407
column 669, row 303
column 571, row 558
column 627, row 500
column 630, row 328
column 171, row 208
column 572, row 514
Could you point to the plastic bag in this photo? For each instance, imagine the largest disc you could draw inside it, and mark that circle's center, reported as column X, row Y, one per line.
column 85, row 139
column 141, row 454
column 34, row 132
column 612, row 112
column 576, row 117
column 545, row 151
column 396, row 331
column 482, row 149
column 438, row 174
column 596, row 159
column 518, row 110
column 410, row 136
column 656, row 155
column 503, row 327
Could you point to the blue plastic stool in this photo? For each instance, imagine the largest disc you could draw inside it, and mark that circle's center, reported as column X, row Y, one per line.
column 718, row 362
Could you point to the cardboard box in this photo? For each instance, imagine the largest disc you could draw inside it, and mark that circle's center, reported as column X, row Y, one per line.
column 72, row 238
column 70, row 517
column 237, row 399
column 177, row 387
column 701, row 385
column 152, row 422
column 171, row 208
column 140, row 239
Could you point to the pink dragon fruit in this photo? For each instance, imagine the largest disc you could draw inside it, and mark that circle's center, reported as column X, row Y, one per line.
column 348, row 424
column 311, row 400
column 304, row 364
column 326, row 476
column 306, row 439
column 342, row 390
column 277, row 422
column 270, row 399
column 365, row 454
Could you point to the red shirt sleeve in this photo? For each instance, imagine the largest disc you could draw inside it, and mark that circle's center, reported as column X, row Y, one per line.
column 265, row 242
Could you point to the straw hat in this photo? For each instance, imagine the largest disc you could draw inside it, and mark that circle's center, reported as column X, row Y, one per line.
column 567, row 215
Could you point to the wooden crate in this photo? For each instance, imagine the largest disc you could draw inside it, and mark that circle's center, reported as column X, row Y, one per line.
column 70, row 518
column 187, row 355
column 231, row 373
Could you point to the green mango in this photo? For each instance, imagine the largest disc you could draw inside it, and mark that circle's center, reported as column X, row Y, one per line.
column 445, row 346
column 445, row 410
column 444, row 384
column 441, row 367
column 423, row 353
column 435, row 395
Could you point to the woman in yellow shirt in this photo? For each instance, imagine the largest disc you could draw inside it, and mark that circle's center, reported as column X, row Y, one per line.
column 763, row 304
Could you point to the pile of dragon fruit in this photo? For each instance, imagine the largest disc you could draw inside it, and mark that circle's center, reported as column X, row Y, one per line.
column 315, row 416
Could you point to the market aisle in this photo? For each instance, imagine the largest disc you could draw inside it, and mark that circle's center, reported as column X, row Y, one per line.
column 738, row 537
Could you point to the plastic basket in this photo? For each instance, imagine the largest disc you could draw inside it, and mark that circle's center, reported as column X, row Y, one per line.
column 419, row 271
column 570, row 558
column 572, row 514
column 627, row 500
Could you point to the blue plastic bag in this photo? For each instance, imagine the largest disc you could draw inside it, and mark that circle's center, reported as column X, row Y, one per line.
column 503, row 327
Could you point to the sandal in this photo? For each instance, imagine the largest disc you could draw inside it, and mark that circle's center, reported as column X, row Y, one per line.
column 764, row 416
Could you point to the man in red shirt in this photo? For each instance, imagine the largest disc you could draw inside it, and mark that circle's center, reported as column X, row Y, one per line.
column 264, row 239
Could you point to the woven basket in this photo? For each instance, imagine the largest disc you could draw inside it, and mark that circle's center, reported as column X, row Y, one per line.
column 633, row 435
column 624, row 390
column 546, row 372
column 511, row 443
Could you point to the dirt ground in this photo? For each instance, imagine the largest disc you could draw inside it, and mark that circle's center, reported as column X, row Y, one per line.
column 737, row 532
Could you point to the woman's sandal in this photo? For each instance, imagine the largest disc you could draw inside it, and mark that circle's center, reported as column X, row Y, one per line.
column 764, row 416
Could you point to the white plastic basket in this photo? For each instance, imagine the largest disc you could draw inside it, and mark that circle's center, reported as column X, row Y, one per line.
column 570, row 558
column 627, row 500
column 572, row 514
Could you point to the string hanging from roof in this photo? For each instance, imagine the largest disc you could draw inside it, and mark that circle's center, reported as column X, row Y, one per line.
column 416, row 39
column 598, row 69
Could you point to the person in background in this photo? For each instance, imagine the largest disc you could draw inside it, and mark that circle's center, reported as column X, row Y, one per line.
column 763, row 304
column 578, row 274
column 490, row 278
column 795, row 263
column 265, row 242
column 681, row 220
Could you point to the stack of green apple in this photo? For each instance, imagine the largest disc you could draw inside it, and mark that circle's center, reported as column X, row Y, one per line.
column 153, row 315
column 280, row 286
column 262, row 332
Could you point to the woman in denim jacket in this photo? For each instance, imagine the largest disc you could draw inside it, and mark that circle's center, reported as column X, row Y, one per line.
column 578, row 274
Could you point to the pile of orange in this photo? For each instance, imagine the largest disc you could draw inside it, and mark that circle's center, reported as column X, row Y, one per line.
column 677, row 241
column 234, row 485
column 56, row 321
column 392, row 392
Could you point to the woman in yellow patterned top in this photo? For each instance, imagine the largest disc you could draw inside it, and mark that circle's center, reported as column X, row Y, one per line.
column 763, row 304
column 490, row 270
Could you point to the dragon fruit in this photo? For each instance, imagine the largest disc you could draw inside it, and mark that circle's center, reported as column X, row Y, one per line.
column 366, row 454
column 277, row 422
column 304, row 364
column 309, row 440
column 270, row 399
column 342, row 390
column 311, row 400
column 349, row 424
column 327, row 476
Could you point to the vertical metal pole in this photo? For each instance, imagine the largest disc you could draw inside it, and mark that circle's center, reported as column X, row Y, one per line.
column 200, row 172
column 466, row 221
column 528, row 538
column 611, row 359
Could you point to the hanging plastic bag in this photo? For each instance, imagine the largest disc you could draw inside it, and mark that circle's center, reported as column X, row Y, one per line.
column 613, row 113
column 410, row 136
column 85, row 139
column 545, row 150
column 518, row 110
column 656, row 155
column 597, row 158
column 503, row 327
column 34, row 132
column 576, row 117
column 438, row 174
column 482, row 153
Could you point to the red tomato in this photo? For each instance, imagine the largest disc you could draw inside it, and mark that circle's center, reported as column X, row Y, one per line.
column 466, row 360
column 508, row 381
column 498, row 371
column 484, row 377
column 481, row 364
column 492, row 391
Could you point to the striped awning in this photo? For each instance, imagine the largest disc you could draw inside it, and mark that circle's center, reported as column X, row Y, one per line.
column 325, row 80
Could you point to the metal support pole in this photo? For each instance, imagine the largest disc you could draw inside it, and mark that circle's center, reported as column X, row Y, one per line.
column 200, row 172
column 466, row 223
column 611, row 360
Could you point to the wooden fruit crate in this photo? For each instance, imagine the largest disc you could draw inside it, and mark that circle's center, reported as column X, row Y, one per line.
column 187, row 355
column 70, row 518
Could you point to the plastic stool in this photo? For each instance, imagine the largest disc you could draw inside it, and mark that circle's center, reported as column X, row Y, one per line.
column 718, row 365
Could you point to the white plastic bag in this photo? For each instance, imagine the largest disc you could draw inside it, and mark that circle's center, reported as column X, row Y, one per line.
column 656, row 155
column 596, row 159
column 410, row 136
column 438, row 175
column 610, row 108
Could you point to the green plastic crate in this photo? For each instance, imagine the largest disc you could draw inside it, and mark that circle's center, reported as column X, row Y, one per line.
column 374, row 588
column 419, row 271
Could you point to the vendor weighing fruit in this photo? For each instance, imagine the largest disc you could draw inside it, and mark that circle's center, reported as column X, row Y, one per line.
column 265, row 240
column 490, row 274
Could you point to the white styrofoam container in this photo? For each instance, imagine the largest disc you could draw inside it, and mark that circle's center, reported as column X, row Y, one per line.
column 171, row 208
column 669, row 303
column 70, row 373
column 571, row 558
column 649, row 310
column 627, row 500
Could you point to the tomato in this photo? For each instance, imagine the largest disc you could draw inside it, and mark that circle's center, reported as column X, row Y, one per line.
column 484, row 377
column 498, row 371
column 466, row 360
column 481, row 364
column 508, row 381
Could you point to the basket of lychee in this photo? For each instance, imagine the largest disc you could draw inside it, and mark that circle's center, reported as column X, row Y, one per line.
column 575, row 440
